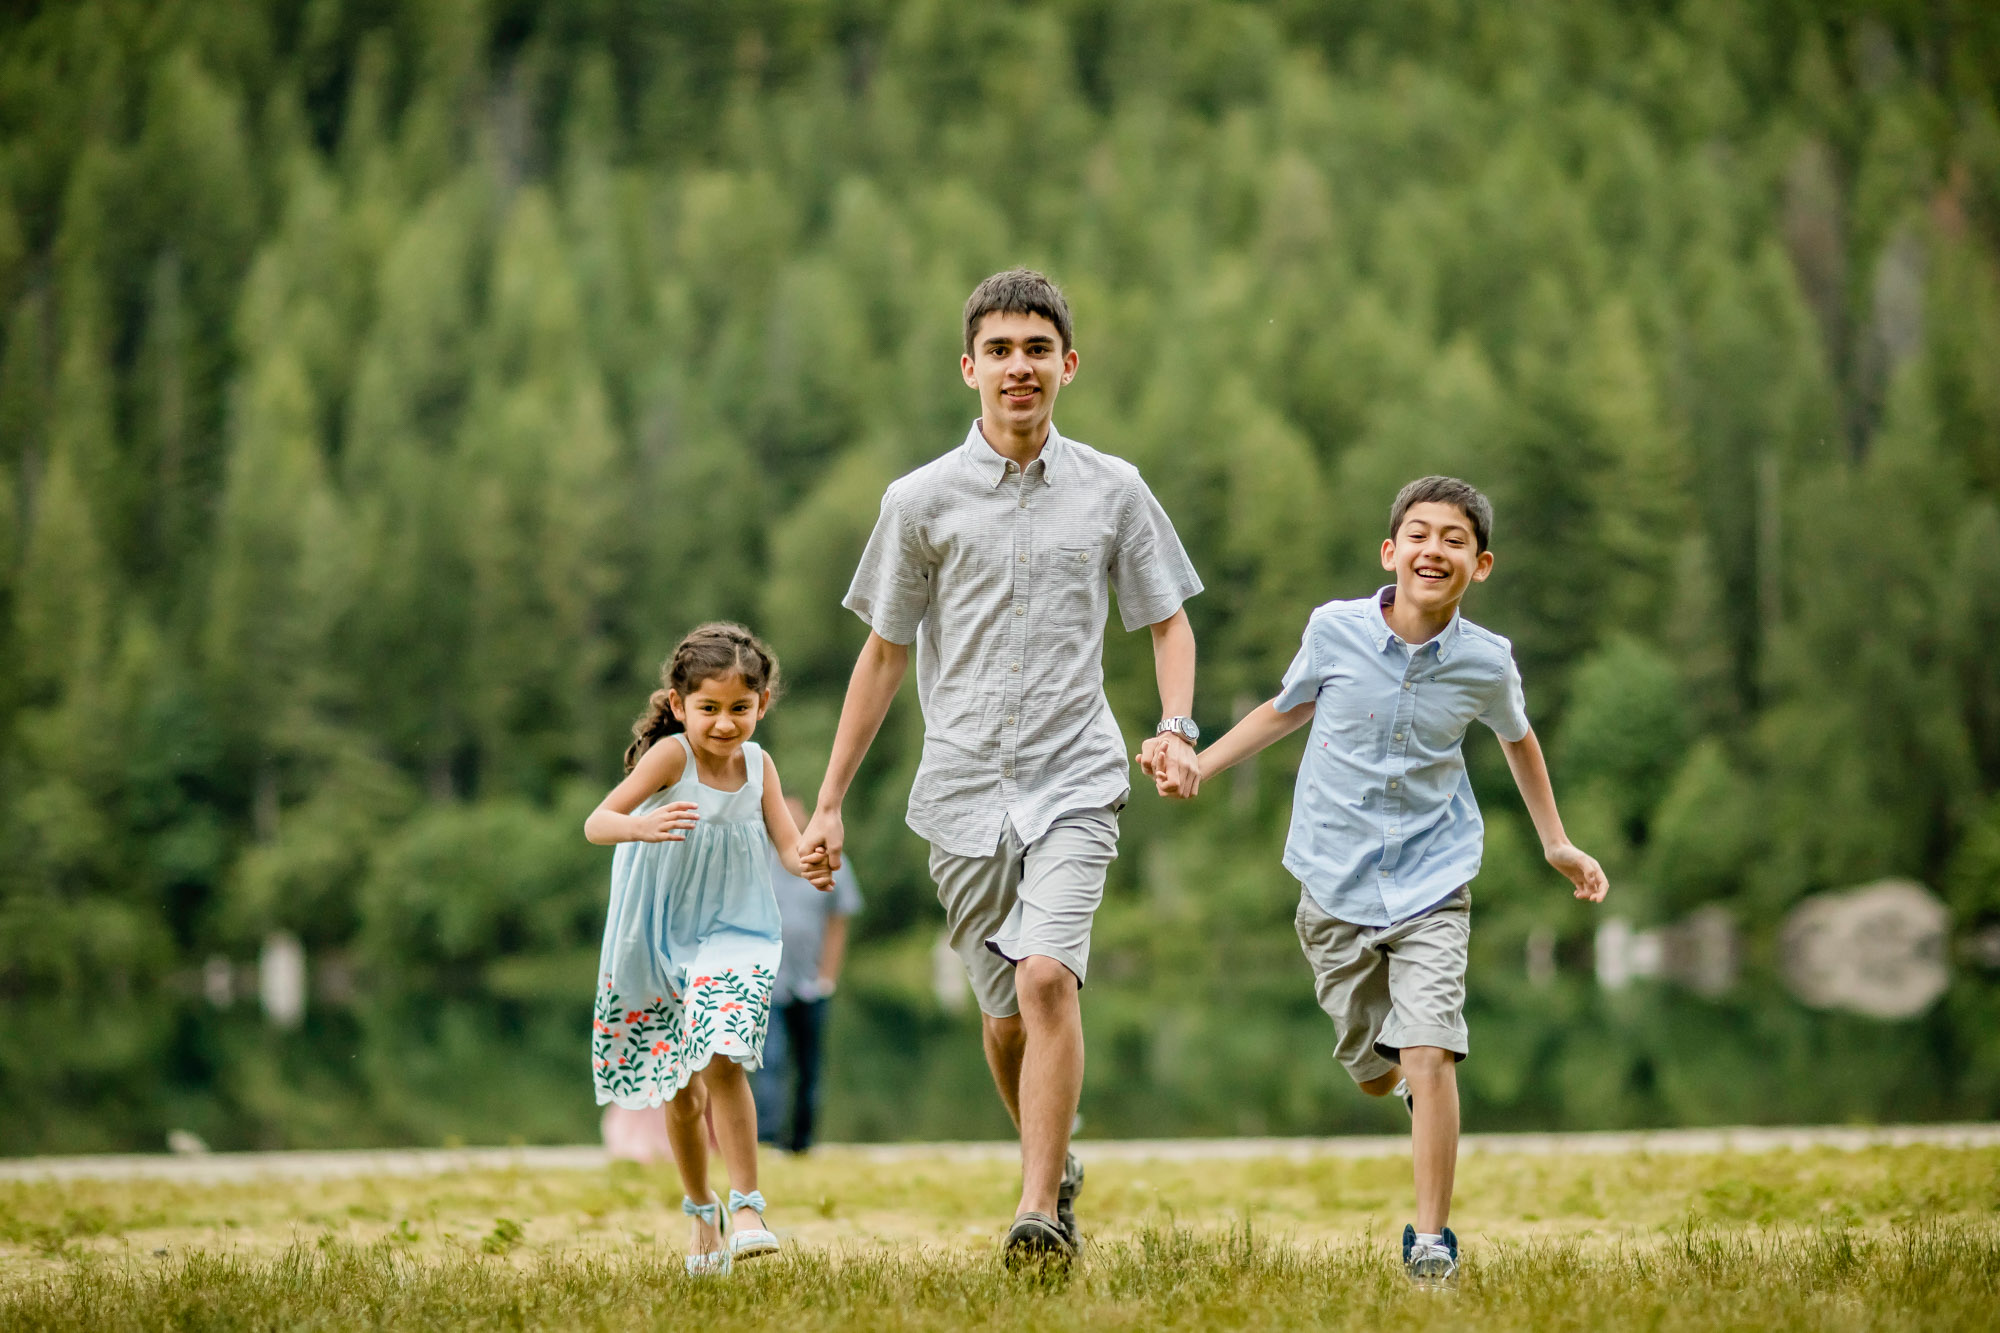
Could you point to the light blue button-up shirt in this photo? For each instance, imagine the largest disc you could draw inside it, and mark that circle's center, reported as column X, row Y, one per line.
column 1384, row 824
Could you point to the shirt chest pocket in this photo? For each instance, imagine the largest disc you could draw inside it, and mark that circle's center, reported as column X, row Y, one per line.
column 1070, row 583
column 1442, row 715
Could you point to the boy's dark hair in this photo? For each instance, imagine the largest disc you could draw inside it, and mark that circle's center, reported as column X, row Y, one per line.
column 718, row 648
column 1445, row 491
column 1018, row 291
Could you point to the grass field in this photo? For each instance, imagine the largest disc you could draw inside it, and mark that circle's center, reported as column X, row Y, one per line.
column 1887, row 1238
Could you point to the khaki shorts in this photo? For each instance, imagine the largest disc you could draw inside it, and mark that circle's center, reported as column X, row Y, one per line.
column 1388, row 987
column 1024, row 901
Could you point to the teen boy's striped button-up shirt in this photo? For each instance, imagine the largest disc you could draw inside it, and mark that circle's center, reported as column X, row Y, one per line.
column 1384, row 824
column 1002, row 578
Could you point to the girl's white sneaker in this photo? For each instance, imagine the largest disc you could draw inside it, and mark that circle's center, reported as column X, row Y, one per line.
column 748, row 1244
column 709, row 1263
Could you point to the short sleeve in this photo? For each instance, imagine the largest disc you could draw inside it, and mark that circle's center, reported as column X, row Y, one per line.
column 1507, row 713
column 1150, row 570
column 1302, row 677
column 846, row 893
column 892, row 585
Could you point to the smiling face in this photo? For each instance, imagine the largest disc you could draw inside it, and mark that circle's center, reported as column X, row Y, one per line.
column 720, row 714
column 1018, row 365
column 1435, row 556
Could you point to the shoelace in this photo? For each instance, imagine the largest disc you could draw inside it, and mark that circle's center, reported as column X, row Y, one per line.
column 754, row 1201
column 707, row 1212
column 1434, row 1256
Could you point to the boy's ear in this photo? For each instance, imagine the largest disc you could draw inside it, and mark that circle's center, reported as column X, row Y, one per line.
column 1388, row 553
column 1069, row 365
column 1482, row 567
column 678, row 704
column 965, row 372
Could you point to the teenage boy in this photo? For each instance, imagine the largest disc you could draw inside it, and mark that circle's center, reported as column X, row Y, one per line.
column 997, row 560
column 1385, row 834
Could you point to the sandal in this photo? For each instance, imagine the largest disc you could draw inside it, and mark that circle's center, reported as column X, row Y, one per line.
column 709, row 1263
column 749, row 1244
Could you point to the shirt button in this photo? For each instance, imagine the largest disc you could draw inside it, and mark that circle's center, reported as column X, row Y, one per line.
column 1399, row 735
column 1024, row 502
column 1023, row 558
column 1408, row 686
column 1007, row 772
column 1392, row 786
column 1010, row 467
column 1010, row 719
column 1017, row 611
column 1015, row 667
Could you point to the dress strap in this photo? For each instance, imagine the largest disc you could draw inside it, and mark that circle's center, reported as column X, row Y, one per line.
column 688, row 771
column 753, row 768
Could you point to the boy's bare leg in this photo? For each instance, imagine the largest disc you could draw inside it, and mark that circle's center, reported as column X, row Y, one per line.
column 1433, row 1076
column 687, row 1131
column 1005, row 1040
column 735, row 1131
column 1051, row 1076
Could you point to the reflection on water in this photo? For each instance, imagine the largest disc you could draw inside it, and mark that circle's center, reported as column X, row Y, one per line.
column 1878, row 950
column 123, row 1074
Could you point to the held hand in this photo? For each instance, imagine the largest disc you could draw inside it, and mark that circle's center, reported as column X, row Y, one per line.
column 1171, row 762
column 1581, row 869
column 817, row 872
column 826, row 836
column 666, row 823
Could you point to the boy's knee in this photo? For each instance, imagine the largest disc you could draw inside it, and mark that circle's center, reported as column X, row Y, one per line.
column 1428, row 1062
column 1381, row 1085
column 1043, row 983
column 1005, row 1034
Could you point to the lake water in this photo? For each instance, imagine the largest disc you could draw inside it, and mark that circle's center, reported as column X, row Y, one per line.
column 1248, row 1057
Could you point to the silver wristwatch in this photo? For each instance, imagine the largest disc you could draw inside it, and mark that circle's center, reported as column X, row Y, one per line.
column 1182, row 727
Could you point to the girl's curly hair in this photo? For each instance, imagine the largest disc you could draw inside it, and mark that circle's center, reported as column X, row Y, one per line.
column 719, row 648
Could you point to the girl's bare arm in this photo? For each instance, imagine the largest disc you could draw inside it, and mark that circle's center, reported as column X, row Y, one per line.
column 785, row 835
column 613, row 821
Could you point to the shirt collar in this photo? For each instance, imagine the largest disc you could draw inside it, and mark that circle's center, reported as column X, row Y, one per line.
column 992, row 467
column 1379, row 631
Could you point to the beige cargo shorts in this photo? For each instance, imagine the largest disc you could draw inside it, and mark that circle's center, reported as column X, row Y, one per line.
column 1387, row 987
column 1021, row 901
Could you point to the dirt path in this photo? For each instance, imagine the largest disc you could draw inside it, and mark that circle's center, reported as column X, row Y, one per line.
column 212, row 1168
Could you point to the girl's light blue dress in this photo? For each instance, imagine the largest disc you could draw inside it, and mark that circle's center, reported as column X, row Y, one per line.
column 691, row 944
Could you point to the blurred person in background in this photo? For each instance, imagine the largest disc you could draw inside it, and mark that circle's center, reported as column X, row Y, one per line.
column 815, row 931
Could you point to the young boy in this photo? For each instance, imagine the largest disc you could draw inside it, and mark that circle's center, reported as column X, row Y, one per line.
column 998, row 560
column 1385, row 834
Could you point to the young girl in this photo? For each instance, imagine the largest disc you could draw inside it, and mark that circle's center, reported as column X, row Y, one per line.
column 692, row 939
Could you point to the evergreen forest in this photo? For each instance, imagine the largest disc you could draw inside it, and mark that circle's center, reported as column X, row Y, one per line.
column 386, row 385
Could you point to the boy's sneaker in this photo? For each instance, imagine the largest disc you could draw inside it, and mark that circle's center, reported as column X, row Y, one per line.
column 1036, row 1239
column 1430, row 1262
column 1066, row 1192
column 1402, row 1092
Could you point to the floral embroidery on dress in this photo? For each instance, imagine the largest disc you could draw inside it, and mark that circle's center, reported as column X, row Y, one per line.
column 642, row 1051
